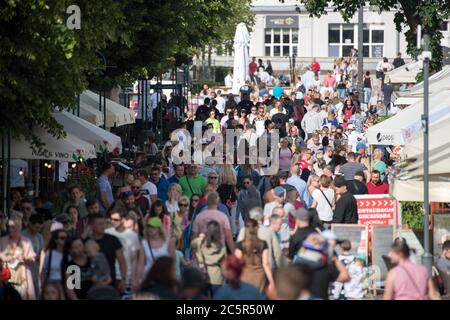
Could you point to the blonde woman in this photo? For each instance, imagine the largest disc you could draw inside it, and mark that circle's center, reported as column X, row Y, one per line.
column 378, row 164
column 227, row 185
column 127, row 183
column 174, row 194
column 313, row 183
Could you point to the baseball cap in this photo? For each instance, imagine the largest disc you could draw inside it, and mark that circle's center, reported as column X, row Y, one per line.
column 361, row 256
column 351, row 126
column 361, row 145
column 154, row 222
column 279, row 191
column 56, row 226
column 300, row 214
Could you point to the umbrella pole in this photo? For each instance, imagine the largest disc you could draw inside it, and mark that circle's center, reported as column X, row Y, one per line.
column 8, row 175
column 104, row 109
column 56, row 177
column 4, row 196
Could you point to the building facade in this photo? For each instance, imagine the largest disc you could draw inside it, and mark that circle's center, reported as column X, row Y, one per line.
column 281, row 32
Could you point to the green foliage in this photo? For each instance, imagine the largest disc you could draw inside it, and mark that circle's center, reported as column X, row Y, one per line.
column 412, row 215
column 220, row 73
column 198, row 85
column 380, row 119
column 44, row 65
column 410, row 13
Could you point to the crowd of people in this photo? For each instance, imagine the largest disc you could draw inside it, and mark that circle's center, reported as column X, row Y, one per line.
column 223, row 231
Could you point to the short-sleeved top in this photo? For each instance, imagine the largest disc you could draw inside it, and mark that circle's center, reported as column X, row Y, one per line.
column 85, row 278
column 201, row 221
column 52, row 268
column 149, row 189
column 108, row 246
column 192, row 185
column 324, row 209
column 130, row 243
column 351, row 168
column 103, row 185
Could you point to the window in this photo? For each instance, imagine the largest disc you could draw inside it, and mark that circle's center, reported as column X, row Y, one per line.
column 343, row 37
column 281, row 42
column 444, row 26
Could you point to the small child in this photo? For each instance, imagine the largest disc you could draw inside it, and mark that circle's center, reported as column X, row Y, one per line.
column 354, row 289
column 101, row 273
column 346, row 258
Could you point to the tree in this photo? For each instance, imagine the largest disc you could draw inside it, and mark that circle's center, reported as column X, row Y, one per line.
column 44, row 64
column 410, row 13
column 165, row 33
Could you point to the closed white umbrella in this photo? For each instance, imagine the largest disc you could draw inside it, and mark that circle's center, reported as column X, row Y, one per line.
column 116, row 114
column 240, row 68
column 66, row 149
column 101, row 139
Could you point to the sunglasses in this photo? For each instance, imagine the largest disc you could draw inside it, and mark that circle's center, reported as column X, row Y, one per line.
column 195, row 200
column 212, row 177
column 115, row 219
column 247, row 182
column 62, row 238
column 183, row 205
column 133, row 187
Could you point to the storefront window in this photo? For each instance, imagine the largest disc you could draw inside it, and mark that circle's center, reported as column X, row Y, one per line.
column 281, row 42
column 343, row 37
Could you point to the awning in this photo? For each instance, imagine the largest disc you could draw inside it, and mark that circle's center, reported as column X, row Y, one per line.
column 89, row 132
column 116, row 114
column 404, row 74
column 412, row 190
column 91, row 114
column 395, row 130
column 65, row 149
column 408, row 100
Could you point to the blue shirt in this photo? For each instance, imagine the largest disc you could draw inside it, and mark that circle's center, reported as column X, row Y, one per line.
column 278, row 92
column 162, row 186
column 173, row 179
column 302, row 190
column 103, row 185
column 245, row 292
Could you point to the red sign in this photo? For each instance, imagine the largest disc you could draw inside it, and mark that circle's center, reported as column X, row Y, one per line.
column 377, row 210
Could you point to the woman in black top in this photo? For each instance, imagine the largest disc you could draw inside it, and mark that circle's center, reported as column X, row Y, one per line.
column 368, row 87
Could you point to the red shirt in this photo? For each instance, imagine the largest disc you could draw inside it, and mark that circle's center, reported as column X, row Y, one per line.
column 315, row 67
column 330, row 81
column 381, row 188
column 303, row 164
column 252, row 67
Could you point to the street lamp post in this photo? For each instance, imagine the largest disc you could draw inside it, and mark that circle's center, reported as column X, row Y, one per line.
column 427, row 259
column 360, row 48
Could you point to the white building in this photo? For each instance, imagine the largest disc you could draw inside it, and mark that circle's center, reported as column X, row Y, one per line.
column 281, row 32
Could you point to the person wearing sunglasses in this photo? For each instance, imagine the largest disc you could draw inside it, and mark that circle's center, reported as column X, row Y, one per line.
column 213, row 180
column 27, row 209
column 140, row 201
column 51, row 265
column 130, row 243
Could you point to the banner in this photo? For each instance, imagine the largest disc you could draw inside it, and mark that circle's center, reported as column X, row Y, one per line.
column 377, row 210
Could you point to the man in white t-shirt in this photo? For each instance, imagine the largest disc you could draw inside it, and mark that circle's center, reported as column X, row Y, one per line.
column 279, row 195
column 220, row 102
column 130, row 243
column 148, row 189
